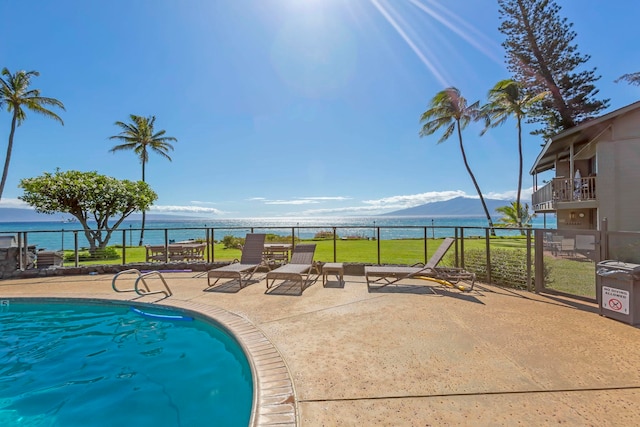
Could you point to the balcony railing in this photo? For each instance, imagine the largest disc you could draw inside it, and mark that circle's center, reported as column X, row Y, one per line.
column 564, row 190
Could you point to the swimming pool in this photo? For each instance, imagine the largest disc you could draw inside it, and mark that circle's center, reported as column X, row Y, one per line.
column 105, row 365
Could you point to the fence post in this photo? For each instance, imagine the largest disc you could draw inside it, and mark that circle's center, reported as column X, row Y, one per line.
column 124, row 246
column 378, row 242
column 426, row 258
column 213, row 245
column 75, row 249
column 462, row 247
column 488, row 249
column 334, row 244
column 26, row 250
column 604, row 239
column 455, row 252
column 22, row 253
column 539, row 260
column 529, row 259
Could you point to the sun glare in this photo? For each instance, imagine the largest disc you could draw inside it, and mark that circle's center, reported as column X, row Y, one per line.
column 443, row 16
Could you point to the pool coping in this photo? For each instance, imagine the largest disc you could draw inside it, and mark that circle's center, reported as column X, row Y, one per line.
column 274, row 401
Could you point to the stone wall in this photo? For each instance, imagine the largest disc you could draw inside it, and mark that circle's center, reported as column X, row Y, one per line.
column 9, row 263
column 9, row 268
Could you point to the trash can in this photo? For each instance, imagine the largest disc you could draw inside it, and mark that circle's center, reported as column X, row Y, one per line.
column 618, row 290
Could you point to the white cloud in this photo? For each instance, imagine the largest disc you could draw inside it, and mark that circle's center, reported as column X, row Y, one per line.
column 511, row 195
column 186, row 209
column 14, row 203
column 301, row 200
column 392, row 203
column 327, row 198
column 199, row 202
column 411, row 200
column 291, row 202
column 365, row 210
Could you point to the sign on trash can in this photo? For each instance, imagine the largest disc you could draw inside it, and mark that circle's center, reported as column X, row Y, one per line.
column 618, row 290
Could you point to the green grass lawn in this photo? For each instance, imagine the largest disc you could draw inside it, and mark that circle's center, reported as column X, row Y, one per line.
column 572, row 276
column 402, row 251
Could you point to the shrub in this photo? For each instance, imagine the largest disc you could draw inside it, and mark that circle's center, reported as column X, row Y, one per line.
column 508, row 266
column 276, row 238
column 107, row 253
column 232, row 242
column 323, row 235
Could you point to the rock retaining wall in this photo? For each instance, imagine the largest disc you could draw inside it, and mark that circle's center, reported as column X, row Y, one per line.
column 9, row 267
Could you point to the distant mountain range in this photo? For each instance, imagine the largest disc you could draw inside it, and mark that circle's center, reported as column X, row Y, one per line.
column 459, row 206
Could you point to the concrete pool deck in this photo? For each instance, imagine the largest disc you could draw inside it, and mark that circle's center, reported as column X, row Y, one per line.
column 418, row 353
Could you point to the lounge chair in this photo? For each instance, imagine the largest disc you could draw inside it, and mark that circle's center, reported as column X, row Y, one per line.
column 298, row 269
column 387, row 275
column 250, row 260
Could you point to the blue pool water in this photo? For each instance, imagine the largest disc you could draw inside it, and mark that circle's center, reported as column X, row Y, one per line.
column 71, row 365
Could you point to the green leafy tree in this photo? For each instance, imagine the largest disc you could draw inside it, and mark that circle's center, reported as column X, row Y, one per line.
column 542, row 56
column 88, row 196
column 516, row 216
column 631, row 78
column 507, row 99
column 16, row 95
column 449, row 110
column 140, row 137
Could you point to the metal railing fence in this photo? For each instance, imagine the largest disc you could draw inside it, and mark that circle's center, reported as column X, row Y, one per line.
column 533, row 259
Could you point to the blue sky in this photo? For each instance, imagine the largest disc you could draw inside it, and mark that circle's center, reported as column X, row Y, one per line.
column 282, row 107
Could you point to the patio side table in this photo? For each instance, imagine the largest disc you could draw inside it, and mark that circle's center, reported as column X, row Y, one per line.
column 336, row 268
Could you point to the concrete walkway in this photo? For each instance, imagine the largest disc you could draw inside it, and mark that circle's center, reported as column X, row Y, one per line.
column 420, row 354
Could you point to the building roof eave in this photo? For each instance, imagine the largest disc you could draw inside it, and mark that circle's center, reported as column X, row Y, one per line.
column 561, row 141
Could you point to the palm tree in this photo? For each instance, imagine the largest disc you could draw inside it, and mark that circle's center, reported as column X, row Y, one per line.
column 449, row 110
column 140, row 136
column 631, row 78
column 15, row 94
column 507, row 99
column 516, row 215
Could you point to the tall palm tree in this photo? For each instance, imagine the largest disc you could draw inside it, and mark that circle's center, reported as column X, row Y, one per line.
column 449, row 110
column 140, row 136
column 15, row 94
column 507, row 99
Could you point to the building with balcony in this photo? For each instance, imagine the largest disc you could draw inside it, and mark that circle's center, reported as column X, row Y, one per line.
column 597, row 173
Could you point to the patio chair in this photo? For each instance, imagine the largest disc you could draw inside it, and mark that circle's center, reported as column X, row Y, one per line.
column 567, row 247
column 298, row 269
column 389, row 274
column 250, row 260
column 156, row 253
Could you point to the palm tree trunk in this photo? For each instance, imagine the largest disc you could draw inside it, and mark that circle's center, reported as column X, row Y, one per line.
column 475, row 183
column 518, row 210
column 144, row 214
column 7, row 160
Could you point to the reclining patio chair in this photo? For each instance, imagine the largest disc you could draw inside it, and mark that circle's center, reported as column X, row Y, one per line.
column 250, row 260
column 298, row 269
column 387, row 275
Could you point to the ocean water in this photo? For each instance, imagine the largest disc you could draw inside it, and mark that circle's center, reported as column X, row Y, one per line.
column 57, row 235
